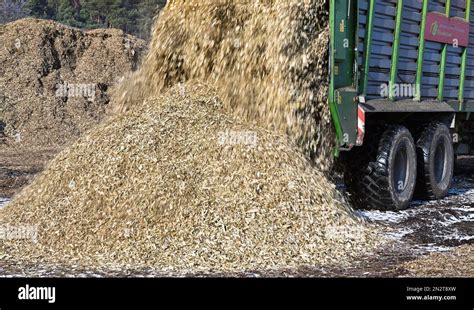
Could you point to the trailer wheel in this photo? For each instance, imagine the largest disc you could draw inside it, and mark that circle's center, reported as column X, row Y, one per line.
column 382, row 174
column 435, row 162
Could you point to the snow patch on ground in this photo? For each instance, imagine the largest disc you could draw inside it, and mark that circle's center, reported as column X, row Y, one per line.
column 398, row 234
column 461, row 196
column 4, row 202
column 430, row 226
column 388, row 217
column 431, row 248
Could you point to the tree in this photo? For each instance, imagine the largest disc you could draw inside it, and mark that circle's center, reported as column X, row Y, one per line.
column 146, row 11
column 132, row 16
column 11, row 10
column 40, row 9
column 69, row 13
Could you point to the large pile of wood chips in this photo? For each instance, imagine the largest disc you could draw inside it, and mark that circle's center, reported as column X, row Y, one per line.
column 176, row 183
column 195, row 177
column 55, row 81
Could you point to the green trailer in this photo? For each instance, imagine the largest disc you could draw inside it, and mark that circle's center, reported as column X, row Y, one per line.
column 401, row 96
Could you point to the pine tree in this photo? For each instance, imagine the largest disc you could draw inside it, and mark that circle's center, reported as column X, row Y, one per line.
column 146, row 11
column 40, row 9
column 132, row 16
column 68, row 14
column 11, row 10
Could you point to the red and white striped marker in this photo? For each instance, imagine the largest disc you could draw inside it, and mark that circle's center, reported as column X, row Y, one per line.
column 360, row 126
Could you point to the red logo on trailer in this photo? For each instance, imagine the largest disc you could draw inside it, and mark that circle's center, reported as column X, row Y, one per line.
column 440, row 28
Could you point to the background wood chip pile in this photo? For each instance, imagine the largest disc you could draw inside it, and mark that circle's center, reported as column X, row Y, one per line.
column 36, row 56
column 268, row 60
column 157, row 186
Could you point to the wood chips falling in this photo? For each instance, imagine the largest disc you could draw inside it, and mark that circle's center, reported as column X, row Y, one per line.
column 159, row 186
column 268, row 60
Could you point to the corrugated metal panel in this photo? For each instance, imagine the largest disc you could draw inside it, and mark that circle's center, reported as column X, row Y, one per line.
column 363, row 4
column 432, row 59
column 381, row 51
column 409, row 42
column 469, row 84
column 453, row 62
column 380, row 60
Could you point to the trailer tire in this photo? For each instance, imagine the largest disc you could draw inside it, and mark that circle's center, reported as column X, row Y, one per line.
column 435, row 162
column 382, row 174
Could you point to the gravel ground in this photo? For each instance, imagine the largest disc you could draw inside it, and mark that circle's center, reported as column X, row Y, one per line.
column 424, row 236
column 19, row 166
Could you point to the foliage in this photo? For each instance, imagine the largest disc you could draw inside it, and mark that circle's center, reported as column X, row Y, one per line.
column 132, row 16
column 11, row 10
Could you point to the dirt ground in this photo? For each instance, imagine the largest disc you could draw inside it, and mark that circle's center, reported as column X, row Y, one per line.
column 431, row 239
column 19, row 166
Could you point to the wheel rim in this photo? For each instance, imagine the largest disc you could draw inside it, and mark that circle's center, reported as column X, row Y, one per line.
column 440, row 162
column 401, row 169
